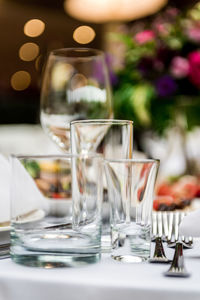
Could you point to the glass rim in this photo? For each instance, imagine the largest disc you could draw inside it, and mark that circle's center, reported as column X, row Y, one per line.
column 102, row 121
column 67, row 53
column 89, row 155
column 132, row 160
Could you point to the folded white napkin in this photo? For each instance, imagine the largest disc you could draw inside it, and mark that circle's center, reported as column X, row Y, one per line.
column 21, row 188
column 25, row 195
column 190, row 225
column 4, row 189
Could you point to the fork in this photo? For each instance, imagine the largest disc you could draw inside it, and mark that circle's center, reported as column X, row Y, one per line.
column 172, row 239
column 157, row 232
column 159, row 226
column 177, row 268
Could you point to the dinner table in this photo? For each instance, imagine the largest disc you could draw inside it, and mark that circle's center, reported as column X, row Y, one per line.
column 107, row 279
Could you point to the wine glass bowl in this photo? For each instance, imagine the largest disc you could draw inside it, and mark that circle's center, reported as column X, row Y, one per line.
column 75, row 86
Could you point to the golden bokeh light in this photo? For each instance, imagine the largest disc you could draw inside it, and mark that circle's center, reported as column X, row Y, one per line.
column 84, row 34
column 29, row 51
column 20, row 80
column 34, row 28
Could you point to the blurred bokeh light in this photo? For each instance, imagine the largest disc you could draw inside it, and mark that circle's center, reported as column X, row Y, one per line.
column 34, row 28
column 20, row 80
column 29, row 51
column 84, row 34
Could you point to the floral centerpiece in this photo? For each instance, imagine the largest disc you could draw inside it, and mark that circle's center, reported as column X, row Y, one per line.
column 160, row 74
column 158, row 86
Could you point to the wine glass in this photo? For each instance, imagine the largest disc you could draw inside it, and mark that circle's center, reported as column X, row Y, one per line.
column 75, row 86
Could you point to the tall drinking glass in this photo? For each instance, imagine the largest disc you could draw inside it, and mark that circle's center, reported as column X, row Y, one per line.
column 75, row 86
column 130, row 190
column 113, row 139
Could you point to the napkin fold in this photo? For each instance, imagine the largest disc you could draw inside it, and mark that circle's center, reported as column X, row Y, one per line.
column 5, row 173
column 25, row 194
column 190, row 225
column 22, row 187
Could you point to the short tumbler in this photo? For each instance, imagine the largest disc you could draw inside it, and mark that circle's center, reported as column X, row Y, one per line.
column 56, row 210
column 130, row 190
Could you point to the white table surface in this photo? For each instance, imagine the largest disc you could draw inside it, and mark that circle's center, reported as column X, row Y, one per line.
column 106, row 280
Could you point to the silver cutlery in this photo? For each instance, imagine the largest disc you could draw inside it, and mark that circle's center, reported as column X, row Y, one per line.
column 6, row 245
column 186, row 241
column 158, row 228
column 4, row 251
column 172, row 239
column 159, row 253
column 177, row 268
column 166, row 225
column 159, row 233
column 5, row 254
column 162, row 225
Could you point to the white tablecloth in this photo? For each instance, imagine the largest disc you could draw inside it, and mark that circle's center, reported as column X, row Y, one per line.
column 106, row 280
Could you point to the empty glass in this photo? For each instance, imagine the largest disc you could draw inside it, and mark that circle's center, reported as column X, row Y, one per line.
column 75, row 86
column 113, row 139
column 130, row 185
column 56, row 221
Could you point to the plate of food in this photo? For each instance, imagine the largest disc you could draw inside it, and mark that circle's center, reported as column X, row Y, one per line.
column 177, row 193
column 175, row 197
column 53, row 179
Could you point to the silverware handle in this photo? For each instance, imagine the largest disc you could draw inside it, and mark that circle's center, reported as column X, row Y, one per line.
column 178, row 261
column 159, row 251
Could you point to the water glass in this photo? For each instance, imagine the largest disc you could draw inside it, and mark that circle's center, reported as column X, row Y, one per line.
column 130, row 185
column 56, row 210
column 113, row 139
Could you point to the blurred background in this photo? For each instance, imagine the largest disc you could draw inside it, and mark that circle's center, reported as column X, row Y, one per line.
column 29, row 30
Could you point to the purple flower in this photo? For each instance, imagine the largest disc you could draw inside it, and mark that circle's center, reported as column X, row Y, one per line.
column 166, row 86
